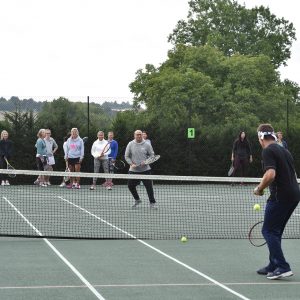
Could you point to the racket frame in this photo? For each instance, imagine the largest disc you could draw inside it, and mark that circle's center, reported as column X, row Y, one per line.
column 9, row 167
column 151, row 160
column 254, row 227
column 121, row 162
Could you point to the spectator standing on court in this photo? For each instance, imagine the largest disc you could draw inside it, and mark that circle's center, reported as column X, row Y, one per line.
column 100, row 159
column 41, row 156
column 280, row 176
column 51, row 147
column 6, row 152
column 241, row 154
column 280, row 141
column 137, row 151
column 145, row 137
column 74, row 156
column 112, row 156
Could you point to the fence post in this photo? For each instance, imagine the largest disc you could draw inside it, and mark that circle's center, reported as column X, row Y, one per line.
column 88, row 116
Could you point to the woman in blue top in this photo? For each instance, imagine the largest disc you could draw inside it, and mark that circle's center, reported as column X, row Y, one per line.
column 41, row 155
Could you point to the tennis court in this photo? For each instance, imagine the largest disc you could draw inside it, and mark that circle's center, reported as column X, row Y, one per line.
column 157, row 267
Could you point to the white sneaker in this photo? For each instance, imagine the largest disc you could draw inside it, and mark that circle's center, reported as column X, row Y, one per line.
column 48, row 183
column 36, row 182
column 62, row 184
column 153, row 206
column 7, row 182
column 2, row 182
column 108, row 187
column 43, row 184
column 92, row 187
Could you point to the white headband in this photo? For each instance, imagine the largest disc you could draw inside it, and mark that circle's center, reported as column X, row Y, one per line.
column 261, row 134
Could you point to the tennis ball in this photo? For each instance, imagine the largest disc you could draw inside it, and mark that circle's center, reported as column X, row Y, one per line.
column 256, row 207
column 183, row 239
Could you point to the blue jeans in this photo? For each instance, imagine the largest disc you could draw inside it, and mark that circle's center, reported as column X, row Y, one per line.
column 277, row 214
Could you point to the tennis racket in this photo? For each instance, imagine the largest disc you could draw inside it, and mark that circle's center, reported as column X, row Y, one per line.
column 118, row 164
column 231, row 170
column 10, row 168
column 103, row 152
column 67, row 177
column 85, row 139
column 151, row 160
column 255, row 235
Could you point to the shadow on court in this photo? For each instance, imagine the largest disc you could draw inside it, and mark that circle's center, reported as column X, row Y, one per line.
column 142, row 270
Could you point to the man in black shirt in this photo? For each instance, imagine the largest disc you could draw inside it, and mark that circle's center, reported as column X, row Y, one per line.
column 281, row 178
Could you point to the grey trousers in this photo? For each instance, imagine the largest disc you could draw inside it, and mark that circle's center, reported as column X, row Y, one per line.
column 97, row 165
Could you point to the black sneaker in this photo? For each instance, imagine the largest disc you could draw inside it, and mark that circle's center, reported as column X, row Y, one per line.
column 137, row 202
column 265, row 271
column 280, row 273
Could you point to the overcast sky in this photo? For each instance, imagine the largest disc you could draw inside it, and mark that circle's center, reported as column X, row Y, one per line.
column 94, row 47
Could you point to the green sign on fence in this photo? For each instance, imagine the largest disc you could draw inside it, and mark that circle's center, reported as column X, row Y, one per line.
column 191, row 133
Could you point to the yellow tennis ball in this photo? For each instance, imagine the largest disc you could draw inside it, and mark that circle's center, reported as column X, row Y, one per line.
column 256, row 207
column 183, row 239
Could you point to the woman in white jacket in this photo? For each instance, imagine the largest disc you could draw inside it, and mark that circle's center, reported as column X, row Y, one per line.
column 100, row 157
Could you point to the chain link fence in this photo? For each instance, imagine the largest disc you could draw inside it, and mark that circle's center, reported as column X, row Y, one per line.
column 207, row 154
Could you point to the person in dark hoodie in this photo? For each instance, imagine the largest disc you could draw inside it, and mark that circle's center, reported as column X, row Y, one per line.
column 6, row 151
column 241, row 154
column 137, row 151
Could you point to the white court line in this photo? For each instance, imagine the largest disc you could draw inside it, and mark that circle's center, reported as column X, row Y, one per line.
column 141, row 285
column 159, row 251
column 75, row 271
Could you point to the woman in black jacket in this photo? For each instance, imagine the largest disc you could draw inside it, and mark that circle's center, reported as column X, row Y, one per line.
column 241, row 154
column 6, row 151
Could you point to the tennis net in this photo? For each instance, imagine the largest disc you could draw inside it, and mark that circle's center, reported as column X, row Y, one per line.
column 196, row 207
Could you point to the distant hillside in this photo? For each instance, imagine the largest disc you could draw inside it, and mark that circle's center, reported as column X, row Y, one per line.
column 14, row 103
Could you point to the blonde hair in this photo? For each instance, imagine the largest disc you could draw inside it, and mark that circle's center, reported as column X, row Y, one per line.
column 75, row 129
column 40, row 133
column 2, row 134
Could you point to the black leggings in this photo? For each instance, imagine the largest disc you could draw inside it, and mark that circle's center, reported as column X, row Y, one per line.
column 240, row 164
column 132, row 184
column 3, row 165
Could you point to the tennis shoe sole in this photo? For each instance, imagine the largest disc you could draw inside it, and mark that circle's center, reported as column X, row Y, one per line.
column 279, row 275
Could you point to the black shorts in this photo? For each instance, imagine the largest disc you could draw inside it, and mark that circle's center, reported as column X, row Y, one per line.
column 74, row 161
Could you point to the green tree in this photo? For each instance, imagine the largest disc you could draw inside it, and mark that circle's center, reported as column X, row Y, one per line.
column 22, row 130
column 232, row 27
column 216, row 94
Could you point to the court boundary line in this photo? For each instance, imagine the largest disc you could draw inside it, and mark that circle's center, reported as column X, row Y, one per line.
column 75, row 271
column 217, row 283
column 142, row 285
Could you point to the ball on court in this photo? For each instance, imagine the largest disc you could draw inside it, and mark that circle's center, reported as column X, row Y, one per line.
column 256, row 207
column 183, row 239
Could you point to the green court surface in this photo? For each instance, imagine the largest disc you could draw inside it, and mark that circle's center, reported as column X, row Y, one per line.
column 130, row 269
column 137, row 269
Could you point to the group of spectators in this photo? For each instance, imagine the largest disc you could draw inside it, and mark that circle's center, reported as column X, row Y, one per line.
column 137, row 151
column 73, row 148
